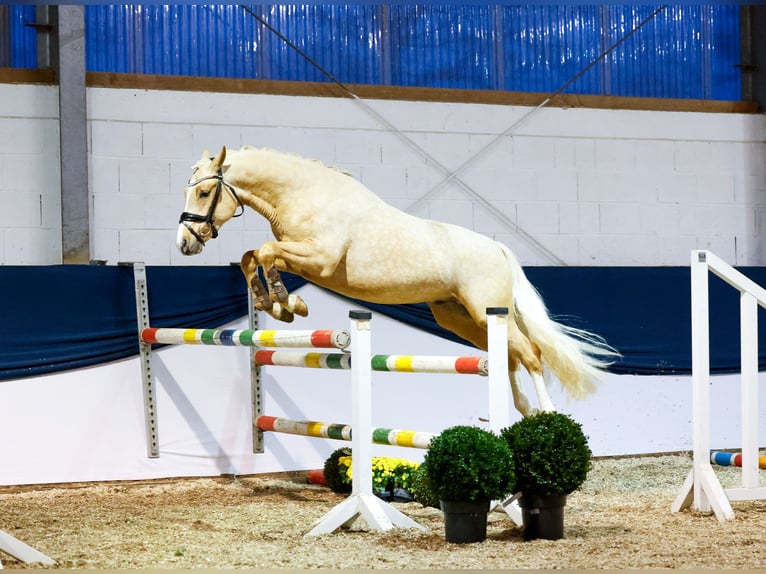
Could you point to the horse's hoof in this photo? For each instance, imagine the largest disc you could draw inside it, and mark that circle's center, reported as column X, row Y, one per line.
column 298, row 306
column 283, row 314
column 263, row 304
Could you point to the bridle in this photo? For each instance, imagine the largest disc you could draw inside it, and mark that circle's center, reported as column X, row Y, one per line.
column 187, row 217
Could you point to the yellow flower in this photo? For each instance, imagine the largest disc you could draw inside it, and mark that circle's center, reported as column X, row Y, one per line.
column 385, row 470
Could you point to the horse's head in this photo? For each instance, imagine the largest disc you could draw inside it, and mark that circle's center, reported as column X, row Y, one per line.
column 207, row 207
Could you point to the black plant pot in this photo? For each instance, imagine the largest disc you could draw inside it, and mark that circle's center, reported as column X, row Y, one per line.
column 465, row 522
column 543, row 516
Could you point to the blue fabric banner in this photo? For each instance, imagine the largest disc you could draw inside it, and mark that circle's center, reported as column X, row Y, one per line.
column 62, row 317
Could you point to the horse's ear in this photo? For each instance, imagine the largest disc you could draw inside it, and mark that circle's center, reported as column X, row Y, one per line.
column 205, row 155
column 219, row 159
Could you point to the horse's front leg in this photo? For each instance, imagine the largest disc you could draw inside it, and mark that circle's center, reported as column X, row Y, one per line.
column 305, row 258
column 282, row 310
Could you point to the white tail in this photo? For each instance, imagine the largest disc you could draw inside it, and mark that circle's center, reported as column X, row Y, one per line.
column 577, row 357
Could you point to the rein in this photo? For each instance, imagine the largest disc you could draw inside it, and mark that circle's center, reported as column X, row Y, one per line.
column 187, row 217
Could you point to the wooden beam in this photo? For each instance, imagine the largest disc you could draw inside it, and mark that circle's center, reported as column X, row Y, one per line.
column 378, row 92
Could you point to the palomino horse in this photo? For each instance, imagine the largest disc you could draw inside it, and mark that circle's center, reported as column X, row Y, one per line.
column 336, row 233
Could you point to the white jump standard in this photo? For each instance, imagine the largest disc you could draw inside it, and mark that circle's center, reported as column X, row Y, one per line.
column 362, row 502
column 702, row 489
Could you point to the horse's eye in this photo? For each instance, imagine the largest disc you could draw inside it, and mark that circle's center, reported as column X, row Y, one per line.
column 203, row 194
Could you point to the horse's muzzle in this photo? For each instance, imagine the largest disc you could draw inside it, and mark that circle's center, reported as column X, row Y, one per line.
column 187, row 243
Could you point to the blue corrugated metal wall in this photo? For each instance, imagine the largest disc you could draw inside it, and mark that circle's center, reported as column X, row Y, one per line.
column 683, row 52
column 23, row 44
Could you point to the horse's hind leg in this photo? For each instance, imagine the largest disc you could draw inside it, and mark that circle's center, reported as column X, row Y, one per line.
column 543, row 398
column 283, row 310
column 520, row 350
column 520, row 400
column 453, row 316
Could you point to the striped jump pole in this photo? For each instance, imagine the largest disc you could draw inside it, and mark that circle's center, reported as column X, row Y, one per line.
column 733, row 459
column 386, row 436
column 429, row 364
column 338, row 339
column 391, row 363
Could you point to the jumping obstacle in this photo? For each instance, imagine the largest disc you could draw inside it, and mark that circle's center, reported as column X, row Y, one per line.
column 733, row 459
column 362, row 502
column 702, row 489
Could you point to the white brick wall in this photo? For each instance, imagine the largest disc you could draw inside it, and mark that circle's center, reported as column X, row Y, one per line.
column 595, row 187
column 30, row 204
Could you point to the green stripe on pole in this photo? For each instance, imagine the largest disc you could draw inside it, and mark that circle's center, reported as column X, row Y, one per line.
column 378, row 363
column 208, row 336
column 335, row 361
column 336, row 432
column 380, row 436
column 246, row 337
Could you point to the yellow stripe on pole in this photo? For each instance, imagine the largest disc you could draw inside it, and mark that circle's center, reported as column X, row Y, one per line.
column 190, row 336
column 313, row 360
column 314, row 428
column 403, row 363
column 266, row 338
column 405, row 438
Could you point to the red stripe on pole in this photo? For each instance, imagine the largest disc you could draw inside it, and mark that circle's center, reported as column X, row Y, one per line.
column 149, row 335
column 316, row 476
column 468, row 365
column 321, row 338
column 265, row 423
column 264, row 357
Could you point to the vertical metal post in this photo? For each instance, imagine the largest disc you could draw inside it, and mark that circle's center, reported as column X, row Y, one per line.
column 145, row 350
column 256, row 389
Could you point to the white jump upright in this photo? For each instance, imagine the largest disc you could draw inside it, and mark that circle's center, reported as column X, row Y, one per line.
column 378, row 514
column 500, row 391
column 702, row 489
column 21, row 551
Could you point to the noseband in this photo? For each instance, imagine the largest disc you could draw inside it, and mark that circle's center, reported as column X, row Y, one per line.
column 187, row 217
